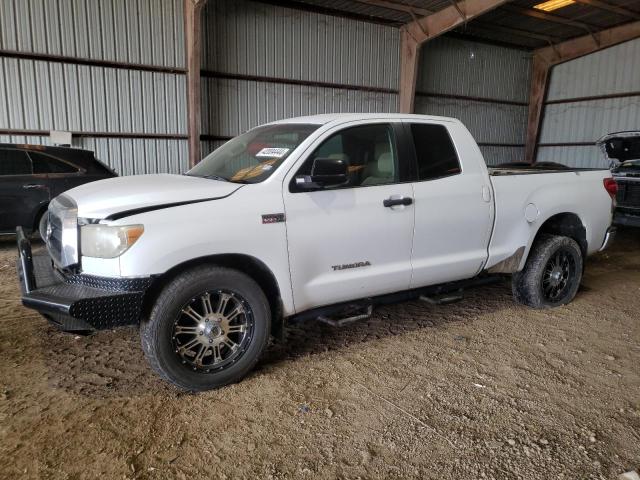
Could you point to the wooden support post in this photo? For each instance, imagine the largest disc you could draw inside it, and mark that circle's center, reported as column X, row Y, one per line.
column 193, row 46
column 409, row 58
column 421, row 30
column 537, row 94
column 545, row 58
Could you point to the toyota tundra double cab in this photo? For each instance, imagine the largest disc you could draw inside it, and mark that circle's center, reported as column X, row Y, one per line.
column 320, row 217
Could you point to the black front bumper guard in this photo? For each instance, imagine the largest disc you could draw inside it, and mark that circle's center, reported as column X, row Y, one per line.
column 77, row 301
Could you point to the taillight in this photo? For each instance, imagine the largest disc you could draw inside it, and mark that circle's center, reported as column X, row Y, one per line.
column 611, row 187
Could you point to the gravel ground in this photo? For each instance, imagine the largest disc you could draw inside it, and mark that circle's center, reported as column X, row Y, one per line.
column 483, row 388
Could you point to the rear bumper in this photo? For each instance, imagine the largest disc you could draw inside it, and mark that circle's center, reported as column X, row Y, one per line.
column 77, row 302
column 608, row 238
column 626, row 219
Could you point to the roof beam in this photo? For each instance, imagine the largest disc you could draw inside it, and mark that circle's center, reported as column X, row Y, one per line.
column 580, row 46
column 442, row 21
column 610, row 8
column 515, row 31
column 414, row 34
column 545, row 58
column 400, row 7
column 541, row 15
column 413, row 11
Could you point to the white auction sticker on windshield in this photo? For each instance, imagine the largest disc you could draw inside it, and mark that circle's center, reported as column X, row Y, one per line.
column 272, row 152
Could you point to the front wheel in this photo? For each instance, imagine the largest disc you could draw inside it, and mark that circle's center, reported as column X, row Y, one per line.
column 207, row 329
column 552, row 274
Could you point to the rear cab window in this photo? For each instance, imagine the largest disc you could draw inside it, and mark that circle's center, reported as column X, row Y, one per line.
column 14, row 162
column 436, row 155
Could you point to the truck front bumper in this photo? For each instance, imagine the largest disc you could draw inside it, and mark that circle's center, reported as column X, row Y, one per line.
column 77, row 301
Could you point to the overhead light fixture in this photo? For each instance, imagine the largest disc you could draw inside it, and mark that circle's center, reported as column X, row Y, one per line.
column 553, row 5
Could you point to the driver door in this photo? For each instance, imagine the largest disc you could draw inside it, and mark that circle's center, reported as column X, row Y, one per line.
column 345, row 242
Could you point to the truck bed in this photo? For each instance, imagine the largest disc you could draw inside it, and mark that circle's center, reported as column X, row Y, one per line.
column 524, row 200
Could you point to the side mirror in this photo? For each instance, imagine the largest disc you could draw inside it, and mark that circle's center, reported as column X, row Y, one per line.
column 325, row 172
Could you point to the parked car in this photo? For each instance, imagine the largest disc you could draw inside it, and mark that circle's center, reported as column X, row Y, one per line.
column 320, row 217
column 623, row 150
column 31, row 175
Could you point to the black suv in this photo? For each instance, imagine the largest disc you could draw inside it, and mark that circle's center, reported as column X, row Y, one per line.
column 32, row 175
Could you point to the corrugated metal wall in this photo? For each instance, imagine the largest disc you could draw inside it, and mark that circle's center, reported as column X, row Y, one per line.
column 264, row 62
column 493, row 82
column 54, row 93
column 148, row 32
column 573, row 119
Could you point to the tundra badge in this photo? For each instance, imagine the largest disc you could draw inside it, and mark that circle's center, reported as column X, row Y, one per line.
column 273, row 218
column 344, row 266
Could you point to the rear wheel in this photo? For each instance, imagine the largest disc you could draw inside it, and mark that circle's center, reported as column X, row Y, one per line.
column 552, row 274
column 207, row 329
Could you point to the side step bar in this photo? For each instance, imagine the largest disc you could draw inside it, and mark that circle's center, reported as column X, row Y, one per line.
column 344, row 321
column 360, row 309
column 443, row 299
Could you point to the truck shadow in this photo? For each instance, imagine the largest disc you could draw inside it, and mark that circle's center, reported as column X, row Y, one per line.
column 111, row 363
column 313, row 337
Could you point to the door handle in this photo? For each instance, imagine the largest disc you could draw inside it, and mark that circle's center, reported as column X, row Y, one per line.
column 392, row 202
column 33, row 185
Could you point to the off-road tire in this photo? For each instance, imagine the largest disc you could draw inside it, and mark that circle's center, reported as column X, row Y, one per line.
column 527, row 285
column 156, row 332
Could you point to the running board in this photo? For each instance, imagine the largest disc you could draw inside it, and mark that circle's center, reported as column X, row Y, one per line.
column 344, row 321
column 443, row 299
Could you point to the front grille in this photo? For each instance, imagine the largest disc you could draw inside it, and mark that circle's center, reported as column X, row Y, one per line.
column 628, row 193
column 62, row 238
column 54, row 236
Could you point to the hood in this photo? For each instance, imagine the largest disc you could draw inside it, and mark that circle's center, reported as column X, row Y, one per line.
column 118, row 197
column 621, row 146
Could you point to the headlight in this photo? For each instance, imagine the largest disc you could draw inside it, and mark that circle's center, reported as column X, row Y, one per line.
column 104, row 241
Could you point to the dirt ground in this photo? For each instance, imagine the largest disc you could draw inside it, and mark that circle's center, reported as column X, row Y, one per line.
column 483, row 388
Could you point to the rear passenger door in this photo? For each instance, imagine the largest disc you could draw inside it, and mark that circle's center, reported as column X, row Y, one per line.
column 60, row 174
column 22, row 194
column 453, row 209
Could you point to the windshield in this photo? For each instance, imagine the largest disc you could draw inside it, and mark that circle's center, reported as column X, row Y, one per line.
column 253, row 156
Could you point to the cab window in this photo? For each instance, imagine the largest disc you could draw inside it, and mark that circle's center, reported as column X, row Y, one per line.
column 435, row 152
column 369, row 151
column 14, row 162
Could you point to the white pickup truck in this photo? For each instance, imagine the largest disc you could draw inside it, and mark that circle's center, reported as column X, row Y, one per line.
column 318, row 217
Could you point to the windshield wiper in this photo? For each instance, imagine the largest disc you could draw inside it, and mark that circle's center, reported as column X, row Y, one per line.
column 216, row 177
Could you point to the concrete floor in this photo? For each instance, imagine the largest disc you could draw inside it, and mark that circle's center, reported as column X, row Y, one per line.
column 483, row 388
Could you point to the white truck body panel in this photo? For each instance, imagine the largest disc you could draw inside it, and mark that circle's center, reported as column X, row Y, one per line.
column 139, row 191
column 580, row 193
column 457, row 226
column 454, row 217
